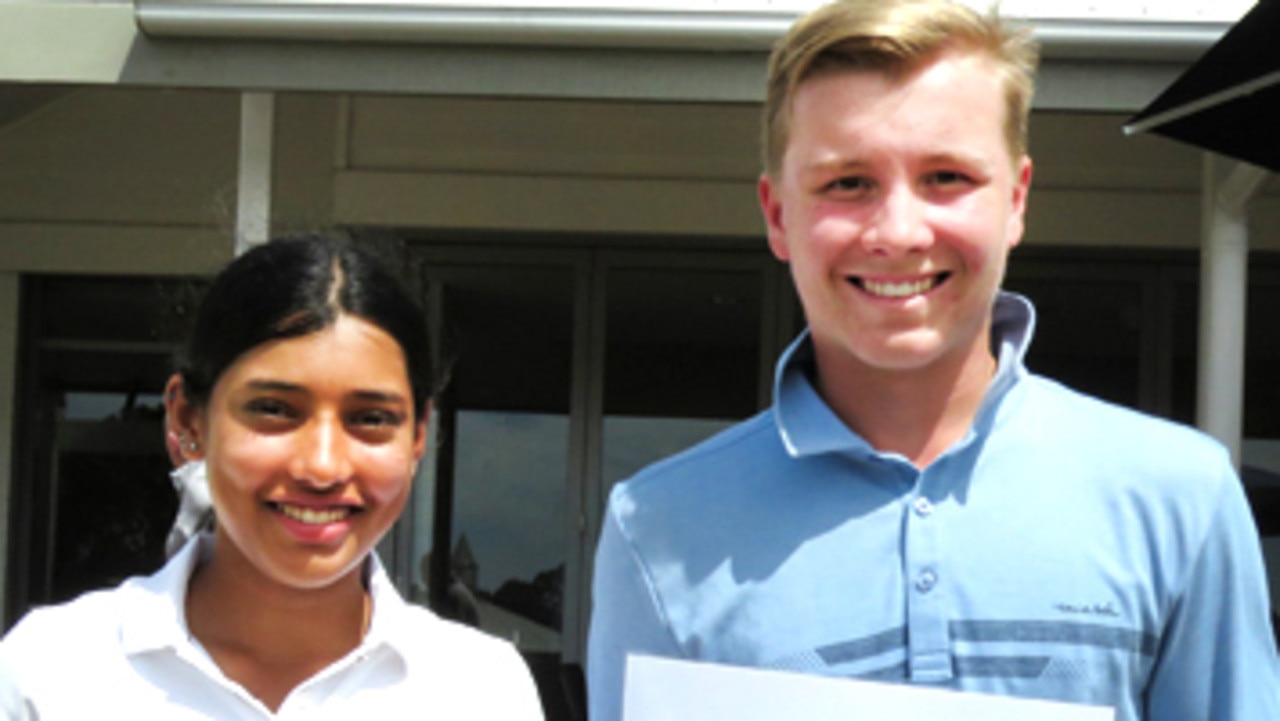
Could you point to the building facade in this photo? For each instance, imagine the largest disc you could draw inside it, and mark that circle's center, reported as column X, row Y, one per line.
column 578, row 209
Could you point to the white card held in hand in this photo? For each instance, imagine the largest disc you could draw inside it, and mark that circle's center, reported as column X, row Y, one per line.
column 662, row 689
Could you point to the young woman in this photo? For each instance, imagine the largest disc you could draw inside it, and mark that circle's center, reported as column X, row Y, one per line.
column 305, row 391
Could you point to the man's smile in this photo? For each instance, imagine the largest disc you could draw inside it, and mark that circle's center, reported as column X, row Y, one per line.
column 899, row 288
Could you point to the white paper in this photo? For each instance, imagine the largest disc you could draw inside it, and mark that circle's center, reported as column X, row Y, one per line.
column 662, row 689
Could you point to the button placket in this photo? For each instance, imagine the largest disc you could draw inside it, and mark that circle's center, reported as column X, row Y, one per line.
column 929, row 642
column 926, row 580
column 923, row 507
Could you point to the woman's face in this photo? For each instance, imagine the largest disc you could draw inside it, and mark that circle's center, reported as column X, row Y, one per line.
column 311, row 446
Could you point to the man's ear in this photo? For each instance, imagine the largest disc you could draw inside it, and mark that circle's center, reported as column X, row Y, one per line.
column 182, row 424
column 771, row 208
column 1018, row 208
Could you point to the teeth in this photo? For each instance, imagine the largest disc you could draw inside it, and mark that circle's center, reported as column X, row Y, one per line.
column 899, row 290
column 314, row 516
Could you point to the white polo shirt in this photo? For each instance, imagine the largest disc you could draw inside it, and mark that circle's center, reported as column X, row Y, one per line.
column 126, row 653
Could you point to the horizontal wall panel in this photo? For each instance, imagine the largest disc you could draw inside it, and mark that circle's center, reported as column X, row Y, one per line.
column 1106, row 218
column 440, row 200
column 111, row 155
column 112, row 250
column 602, row 139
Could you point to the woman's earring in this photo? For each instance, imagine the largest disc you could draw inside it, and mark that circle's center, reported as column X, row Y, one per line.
column 191, row 445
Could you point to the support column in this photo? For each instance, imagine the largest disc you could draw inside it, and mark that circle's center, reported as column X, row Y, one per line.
column 8, row 399
column 1224, row 282
column 257, row 141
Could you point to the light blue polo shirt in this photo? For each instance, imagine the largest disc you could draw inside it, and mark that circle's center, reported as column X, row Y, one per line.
column 1064, row 549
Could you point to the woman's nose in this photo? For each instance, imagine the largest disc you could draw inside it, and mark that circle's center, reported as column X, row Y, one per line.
column 323, row 458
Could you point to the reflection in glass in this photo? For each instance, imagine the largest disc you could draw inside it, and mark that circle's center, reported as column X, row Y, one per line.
column 502, row 479
column 509, row 498
column 92, row 475
column 110, row 406
column 634, row 442
column 1087, row 334
column 681, row 362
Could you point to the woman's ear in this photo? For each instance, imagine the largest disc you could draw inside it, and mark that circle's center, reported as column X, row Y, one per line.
column 420, row 432
column 182, row 427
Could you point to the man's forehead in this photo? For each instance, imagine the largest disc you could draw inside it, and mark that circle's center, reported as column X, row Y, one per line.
column 882, row 89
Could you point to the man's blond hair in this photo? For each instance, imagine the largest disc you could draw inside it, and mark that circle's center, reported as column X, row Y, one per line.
column 895, row 37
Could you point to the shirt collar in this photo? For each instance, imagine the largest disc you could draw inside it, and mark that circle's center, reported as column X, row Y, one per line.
column 808, row 426
column 389, row 609
column 154, row 607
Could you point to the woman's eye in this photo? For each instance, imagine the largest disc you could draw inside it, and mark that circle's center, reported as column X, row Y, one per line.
column 375, row 418
column 270, row 408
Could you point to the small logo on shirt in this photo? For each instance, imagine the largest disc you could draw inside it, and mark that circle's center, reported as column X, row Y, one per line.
column 1088, row 609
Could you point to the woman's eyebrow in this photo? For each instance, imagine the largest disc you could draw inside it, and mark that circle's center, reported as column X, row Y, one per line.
column 365, row 394
column 380, row 396
column 273, row 385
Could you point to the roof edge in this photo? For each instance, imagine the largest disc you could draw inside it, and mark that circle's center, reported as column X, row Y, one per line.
column 695, row 30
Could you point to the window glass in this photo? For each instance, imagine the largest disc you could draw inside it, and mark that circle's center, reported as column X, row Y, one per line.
column 1088, row 333
column 682, row 360
column 94, row 477
column 503, row 483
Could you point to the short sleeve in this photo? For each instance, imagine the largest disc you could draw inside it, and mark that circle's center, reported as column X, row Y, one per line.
column 1218, row 659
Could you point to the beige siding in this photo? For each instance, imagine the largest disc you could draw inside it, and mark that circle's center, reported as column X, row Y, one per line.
column 143, row 181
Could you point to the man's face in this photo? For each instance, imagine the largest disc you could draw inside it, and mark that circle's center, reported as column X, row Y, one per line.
column 896, row 204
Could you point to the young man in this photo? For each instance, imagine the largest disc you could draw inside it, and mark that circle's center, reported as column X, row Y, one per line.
column 916, row 507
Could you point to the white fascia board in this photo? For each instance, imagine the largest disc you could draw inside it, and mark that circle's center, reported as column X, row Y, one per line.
column 731, row 27
column 65, row 42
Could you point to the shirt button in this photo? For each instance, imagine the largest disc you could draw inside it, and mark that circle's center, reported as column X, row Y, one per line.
column 923, row 507
column 926, row 581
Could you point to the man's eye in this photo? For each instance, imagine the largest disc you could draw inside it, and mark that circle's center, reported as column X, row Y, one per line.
column 849, row 184
column 949, row 177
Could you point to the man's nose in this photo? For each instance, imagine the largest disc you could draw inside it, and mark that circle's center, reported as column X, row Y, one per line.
column 900, row 224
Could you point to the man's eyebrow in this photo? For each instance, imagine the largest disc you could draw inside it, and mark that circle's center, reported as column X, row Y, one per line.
column 956, row 156
column 834, row 164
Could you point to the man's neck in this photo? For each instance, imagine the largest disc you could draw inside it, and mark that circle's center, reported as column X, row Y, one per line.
column 918, row 413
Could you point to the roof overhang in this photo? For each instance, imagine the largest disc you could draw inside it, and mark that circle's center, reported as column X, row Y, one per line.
column 400, row 46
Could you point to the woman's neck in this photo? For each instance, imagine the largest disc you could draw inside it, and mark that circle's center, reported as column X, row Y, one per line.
column 266, row 636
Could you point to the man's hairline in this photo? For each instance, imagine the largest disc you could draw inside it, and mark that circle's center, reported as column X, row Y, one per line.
column 896, row 72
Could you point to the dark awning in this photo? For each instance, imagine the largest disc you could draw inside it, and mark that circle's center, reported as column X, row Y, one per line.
column 1228, row 101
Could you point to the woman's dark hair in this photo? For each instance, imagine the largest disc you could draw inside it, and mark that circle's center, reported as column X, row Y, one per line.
column 294, row 286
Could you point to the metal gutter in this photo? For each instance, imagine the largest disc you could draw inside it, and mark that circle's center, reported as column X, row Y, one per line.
column 437, row 24
column 1126, row 40
column 691, row 30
